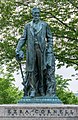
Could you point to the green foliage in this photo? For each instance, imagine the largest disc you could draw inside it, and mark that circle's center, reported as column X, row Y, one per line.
column 62, row 91
column 13, row 17
column 63, row 19
column 61, row 16
column 8, row 92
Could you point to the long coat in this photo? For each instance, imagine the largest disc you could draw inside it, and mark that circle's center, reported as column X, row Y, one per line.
column 44, row 38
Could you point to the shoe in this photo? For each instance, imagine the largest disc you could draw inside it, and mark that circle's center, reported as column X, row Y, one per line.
column 32, row 94
column 42, row 94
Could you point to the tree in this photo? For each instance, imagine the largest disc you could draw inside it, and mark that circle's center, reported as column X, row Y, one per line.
column 8, row 92
column 62, row 91
column 63, row 19
column 60, row 14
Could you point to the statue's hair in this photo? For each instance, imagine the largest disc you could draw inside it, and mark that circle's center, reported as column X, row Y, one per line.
column 35, row 8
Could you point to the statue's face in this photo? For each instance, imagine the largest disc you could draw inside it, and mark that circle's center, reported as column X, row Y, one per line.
column 36, row 14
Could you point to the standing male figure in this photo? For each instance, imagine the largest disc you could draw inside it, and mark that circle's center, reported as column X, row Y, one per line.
column 39, row 57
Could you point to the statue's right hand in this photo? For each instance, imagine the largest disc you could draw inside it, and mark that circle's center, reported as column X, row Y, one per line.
column 19, row 55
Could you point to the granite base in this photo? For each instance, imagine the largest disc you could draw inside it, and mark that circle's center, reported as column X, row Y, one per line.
column 39, row 112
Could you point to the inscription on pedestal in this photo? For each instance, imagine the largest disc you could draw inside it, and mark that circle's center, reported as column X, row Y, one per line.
column 37, row 112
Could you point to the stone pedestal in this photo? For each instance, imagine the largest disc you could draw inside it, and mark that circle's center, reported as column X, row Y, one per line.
column 38, row 112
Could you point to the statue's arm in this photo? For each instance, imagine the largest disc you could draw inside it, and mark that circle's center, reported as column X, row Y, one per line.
column 49, row 40
column 21, row 41
column 50, row 53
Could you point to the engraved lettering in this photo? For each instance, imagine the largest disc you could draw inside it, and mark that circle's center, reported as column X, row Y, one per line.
column 32, row 112
column 61, row 112
column 15, row 112
column 67, row 113
column 49, row 112
column 9, row 112
column 36, row 111
column 21, row 112
column 71, row 112
column 41, row 112
column 27, row 112
column 55, row 111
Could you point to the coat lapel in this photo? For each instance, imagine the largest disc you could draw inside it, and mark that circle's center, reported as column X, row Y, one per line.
column 39, row 27
column 31, row 28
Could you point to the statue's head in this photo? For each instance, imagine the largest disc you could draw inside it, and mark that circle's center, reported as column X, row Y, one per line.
column 35, row 13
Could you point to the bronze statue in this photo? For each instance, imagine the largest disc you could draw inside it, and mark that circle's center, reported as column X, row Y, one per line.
column 40, row 63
